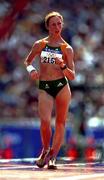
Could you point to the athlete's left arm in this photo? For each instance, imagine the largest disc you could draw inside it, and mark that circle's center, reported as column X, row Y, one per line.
column 69, row 68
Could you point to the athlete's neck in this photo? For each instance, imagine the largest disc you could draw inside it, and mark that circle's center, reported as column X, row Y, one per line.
column 54, row 38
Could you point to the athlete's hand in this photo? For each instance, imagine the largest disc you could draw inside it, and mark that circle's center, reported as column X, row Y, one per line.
column 34, row 75
column 59, row 61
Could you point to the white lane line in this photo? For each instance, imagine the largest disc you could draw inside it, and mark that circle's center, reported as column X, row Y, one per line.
column 12, row 176
column 17, row 167
column 79, row 177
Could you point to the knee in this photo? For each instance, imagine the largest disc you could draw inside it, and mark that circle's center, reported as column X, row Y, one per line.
column 45, row 123
column 60, row 122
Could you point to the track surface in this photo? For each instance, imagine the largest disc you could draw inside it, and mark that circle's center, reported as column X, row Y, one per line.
column 65, row 171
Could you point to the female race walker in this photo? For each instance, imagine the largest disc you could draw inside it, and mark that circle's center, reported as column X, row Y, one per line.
column 56, row 68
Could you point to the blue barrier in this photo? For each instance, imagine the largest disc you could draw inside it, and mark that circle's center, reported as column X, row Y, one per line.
column 25, row 141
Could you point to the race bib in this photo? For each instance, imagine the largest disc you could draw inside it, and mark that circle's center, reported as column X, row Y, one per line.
column 49, row 56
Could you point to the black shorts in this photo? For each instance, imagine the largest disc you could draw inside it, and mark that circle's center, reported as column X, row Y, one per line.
column 53, row 87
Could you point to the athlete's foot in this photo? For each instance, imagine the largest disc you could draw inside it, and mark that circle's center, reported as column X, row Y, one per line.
column 51, row 163
column 42, row 160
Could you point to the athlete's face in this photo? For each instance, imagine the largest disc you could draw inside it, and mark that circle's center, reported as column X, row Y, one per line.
column 55, row 25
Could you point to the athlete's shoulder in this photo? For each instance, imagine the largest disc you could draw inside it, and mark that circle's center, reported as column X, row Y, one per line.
column 65, row 46
column 40, row 43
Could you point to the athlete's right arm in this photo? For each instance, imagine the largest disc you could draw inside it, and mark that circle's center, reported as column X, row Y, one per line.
column 34, row 74
column 35, row 50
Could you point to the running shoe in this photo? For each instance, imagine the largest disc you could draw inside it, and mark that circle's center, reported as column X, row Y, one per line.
column 51, row 163
column 42, row 160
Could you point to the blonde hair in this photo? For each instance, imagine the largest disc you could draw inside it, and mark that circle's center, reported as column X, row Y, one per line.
column 50, row 15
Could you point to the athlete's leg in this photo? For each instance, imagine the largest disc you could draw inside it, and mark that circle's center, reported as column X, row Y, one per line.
column 45, row 106
column 62, row 105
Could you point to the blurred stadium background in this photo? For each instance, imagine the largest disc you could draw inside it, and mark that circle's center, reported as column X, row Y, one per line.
column 21, row 23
